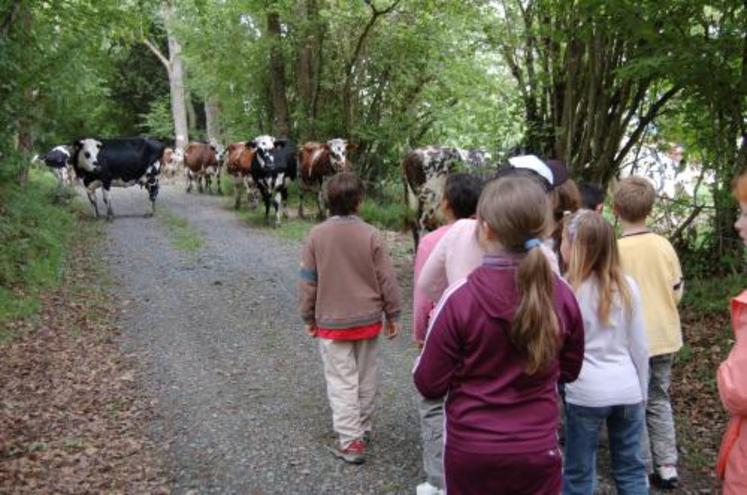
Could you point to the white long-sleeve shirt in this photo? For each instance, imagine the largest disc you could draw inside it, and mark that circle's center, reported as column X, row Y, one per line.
column 615, row 369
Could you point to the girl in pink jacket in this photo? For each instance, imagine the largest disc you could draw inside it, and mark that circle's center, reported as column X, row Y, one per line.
column 732, row 378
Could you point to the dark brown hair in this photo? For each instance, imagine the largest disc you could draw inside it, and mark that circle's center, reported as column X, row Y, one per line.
column 634, row 198
column 344, row 193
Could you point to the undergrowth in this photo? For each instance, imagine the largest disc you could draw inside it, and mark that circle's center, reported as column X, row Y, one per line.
column 37, row 224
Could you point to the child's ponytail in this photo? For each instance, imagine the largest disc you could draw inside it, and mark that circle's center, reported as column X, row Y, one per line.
column 517, row 211
column 534, row 330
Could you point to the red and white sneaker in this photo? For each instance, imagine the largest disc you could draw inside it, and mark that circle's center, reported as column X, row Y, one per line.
column 354, row 453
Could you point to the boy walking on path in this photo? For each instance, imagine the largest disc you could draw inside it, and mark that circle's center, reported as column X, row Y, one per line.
column 651, row 260
column 347, row 284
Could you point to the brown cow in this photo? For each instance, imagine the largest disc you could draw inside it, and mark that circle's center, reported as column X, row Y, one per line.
column 238, row 164
column 201, row 162
column 318, row 161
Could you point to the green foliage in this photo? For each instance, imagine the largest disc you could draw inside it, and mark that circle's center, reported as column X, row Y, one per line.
column 710, row 296
column 37, row 223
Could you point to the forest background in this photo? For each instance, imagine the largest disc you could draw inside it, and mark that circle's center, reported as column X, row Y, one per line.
column 593, row 82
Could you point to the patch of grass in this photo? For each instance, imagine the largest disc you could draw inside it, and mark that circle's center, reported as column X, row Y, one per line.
column 37, row 224
column 383, row 214
column 710, row 297
column 184, row 237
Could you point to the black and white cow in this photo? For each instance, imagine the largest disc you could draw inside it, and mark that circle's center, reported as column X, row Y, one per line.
column 59, row 160
column 273, row 167
column 425, row 171
column 119, row 162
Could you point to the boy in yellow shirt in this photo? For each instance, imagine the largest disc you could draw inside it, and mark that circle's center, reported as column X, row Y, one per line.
column 651, row 260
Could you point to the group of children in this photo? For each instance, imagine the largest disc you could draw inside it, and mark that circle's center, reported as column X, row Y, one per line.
column 523, row 301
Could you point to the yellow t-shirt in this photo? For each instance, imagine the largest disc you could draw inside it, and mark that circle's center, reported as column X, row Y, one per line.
column 651, row 260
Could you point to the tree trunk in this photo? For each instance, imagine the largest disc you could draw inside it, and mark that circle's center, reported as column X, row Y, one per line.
column 176, row 81
column 212, row 120
column 306, row 68
column 281, row 118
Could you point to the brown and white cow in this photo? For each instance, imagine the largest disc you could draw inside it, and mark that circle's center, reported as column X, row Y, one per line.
column 317, row 161
column 171, row 161
column 238, row 163
column 201, row 163
column 425, row 171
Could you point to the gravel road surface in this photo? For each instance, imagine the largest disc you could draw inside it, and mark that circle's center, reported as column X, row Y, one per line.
column 239, row 389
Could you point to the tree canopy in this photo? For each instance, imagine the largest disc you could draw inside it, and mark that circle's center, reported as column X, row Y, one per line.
column 587, row 81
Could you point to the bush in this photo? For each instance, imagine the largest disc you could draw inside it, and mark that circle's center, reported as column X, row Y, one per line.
column 35, row 225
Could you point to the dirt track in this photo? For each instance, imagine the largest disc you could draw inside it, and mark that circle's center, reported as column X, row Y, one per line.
column 240, row 395
column 238, row 388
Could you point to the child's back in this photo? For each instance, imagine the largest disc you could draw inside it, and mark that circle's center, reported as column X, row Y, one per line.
column 651, row 260
column 355, row 280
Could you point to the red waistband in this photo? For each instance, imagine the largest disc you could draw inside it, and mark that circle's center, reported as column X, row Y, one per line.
column 355, row 333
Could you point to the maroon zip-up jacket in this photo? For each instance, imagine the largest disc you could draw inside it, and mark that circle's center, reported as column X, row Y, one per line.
column 492, row 405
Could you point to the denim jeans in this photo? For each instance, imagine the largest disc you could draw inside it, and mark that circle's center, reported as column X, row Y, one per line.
column 624, row 428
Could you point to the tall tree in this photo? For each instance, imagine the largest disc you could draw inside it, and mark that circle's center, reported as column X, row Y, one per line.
column 281, row 125
column 592, row 75
column 175, row 69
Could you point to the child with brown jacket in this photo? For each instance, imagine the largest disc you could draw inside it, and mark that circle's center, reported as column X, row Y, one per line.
column 347, row 284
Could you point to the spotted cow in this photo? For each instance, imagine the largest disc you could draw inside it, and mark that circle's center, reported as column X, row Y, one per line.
column 118, row 162
column 59, row 160
column 238, row 164
column 425, row 171
column 317, row 161
column 273, row 167
column 201, row 163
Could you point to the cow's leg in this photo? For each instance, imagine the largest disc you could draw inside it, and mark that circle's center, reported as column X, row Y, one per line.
column 152, row 195
column 189, row 181
column 237, row 184
column 320, row 203
column 91, row 192
column 301, row 190
column 217, row 182
column 199, row 184
column 276, row 200
column 107, row 193
column 284, row 196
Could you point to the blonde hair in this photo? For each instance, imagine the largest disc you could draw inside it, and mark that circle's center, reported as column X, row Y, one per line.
column 634, row 198
column 594, row 254
column 516, row 210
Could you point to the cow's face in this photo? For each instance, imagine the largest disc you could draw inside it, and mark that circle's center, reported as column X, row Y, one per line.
column 87, row 153
column 338, row 154
column 264, row 146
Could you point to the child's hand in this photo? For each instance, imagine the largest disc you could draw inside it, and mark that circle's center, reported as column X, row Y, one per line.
column 310, row 329
column 392, row 329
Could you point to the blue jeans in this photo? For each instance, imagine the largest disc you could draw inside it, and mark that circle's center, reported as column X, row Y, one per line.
column 624, row 427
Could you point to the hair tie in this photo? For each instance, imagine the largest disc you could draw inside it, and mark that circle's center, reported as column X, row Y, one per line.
column 532, row 243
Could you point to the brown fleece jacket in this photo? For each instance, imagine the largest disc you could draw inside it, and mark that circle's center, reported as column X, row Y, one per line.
column 347, row 277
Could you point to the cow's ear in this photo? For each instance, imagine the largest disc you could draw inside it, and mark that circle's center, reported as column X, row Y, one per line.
column 351, row 147
column 251, row 144
column 281, row 143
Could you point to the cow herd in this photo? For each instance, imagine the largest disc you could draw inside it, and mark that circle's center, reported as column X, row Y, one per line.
column 260, row 168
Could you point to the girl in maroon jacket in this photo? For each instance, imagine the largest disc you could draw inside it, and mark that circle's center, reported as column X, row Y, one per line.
column 498, row 344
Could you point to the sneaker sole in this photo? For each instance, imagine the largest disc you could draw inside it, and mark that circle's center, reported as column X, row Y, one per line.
column 349, row 458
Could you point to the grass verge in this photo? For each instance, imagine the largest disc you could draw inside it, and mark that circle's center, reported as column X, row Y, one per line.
column 38, row 223
column 184, row 237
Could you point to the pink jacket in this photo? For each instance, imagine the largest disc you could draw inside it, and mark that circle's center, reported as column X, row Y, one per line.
column 455, row 256
column 732, row 387
column 422, row 305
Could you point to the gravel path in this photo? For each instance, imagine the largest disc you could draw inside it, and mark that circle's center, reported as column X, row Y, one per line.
column 239, row 389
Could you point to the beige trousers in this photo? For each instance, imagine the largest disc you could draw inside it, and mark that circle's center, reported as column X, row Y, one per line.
column 350, row 368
